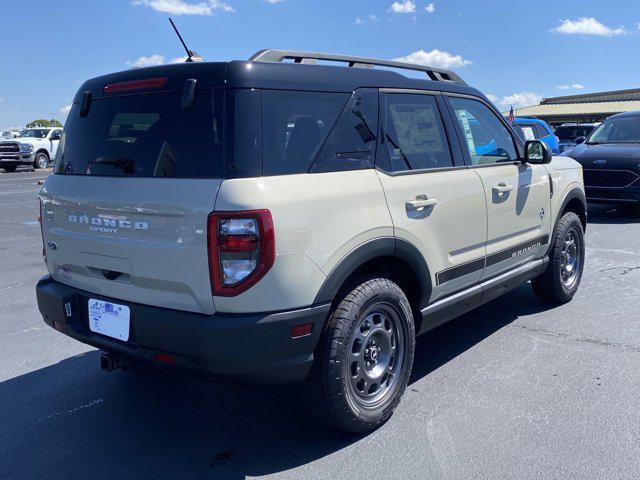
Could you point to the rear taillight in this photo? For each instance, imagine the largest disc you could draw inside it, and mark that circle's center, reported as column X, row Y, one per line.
column 241, row 250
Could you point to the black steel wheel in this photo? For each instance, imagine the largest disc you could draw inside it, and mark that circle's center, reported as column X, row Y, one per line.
column 560, row 282
column 364, row 358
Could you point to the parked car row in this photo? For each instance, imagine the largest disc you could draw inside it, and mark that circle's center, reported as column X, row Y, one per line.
column 34, row 147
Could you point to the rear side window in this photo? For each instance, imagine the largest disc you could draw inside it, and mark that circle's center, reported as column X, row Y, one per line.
column 294, row 128
column 414, row 133
column 145, row 135
column 352, row 142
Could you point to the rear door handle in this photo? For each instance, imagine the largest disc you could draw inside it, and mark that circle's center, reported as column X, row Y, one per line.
column 502, row 187
column 420, row 203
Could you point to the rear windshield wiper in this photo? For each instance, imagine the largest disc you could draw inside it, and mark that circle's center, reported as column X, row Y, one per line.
column 127, row 165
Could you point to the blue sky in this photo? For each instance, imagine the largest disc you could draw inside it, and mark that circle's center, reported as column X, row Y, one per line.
column 514, row 50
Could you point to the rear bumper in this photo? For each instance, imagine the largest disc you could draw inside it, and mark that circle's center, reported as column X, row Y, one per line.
column 245, row 349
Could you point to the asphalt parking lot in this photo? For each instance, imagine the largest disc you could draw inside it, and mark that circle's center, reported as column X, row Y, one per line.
column 514, row 389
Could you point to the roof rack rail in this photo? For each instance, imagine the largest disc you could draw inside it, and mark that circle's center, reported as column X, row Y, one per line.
column 435, row 74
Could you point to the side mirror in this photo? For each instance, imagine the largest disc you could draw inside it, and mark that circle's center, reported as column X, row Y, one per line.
column 580, row 140
column 537, row 152
column 56, row 136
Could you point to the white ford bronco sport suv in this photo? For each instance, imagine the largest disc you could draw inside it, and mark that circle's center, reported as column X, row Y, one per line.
column 279, row 221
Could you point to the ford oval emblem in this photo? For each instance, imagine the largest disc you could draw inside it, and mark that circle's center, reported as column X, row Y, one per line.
column 600, row 162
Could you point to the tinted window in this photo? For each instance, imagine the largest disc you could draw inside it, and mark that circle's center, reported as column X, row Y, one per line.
column 294, row 127
column 352, row 142
column 415, row 135
column 573, row 132
column 540, row 131
column 145, row 135
column 488, row 140
column 617, row 130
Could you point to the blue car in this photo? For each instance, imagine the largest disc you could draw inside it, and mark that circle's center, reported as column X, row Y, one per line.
column 534, row 129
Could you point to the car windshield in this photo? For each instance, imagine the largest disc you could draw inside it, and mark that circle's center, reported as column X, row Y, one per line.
column 35, row 133
column 617, row 130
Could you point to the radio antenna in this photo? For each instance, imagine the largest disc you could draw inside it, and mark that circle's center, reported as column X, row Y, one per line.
column 191, row 55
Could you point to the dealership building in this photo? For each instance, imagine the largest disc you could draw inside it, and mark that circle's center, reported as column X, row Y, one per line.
column 585, row 108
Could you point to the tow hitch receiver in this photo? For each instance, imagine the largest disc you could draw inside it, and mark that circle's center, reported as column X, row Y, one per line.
column 110, row 362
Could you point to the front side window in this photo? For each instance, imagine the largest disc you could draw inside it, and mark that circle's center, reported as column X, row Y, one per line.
column 294, row 127
column 414, row 133
column 488, row 140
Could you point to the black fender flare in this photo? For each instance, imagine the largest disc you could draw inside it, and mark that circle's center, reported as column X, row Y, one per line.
column 378, row 247
column 574, row 194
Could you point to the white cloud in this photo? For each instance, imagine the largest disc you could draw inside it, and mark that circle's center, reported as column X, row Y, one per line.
column 374, row 18
column 430, row 8
column 571, row 86
column 521, row 99
column 273, row 2
column 492, row 97
column 1, row 99
column 65, row 110
column 178, row 59
column 587, row 26
column 358, row 21
column 403, row 6
column 182, row 7
column 149, row 61
column 435, row 58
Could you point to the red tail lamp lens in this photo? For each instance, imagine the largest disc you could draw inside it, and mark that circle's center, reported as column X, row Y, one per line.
column 301, row 330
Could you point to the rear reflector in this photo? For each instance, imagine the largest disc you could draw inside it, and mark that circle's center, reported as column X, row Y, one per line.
column 301, row 330
column 135, row 85
column 165, row 358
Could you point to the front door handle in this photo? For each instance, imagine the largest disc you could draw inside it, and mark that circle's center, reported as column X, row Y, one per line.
column 420, row 203
column 502, row 187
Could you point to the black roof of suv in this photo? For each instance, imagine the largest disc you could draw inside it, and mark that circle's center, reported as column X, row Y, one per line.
column 269, row 69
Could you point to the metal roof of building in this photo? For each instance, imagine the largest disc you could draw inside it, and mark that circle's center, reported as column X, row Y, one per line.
column 585, row 108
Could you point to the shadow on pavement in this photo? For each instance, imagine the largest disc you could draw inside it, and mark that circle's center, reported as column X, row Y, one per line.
column 71, row 420
column 608, row 214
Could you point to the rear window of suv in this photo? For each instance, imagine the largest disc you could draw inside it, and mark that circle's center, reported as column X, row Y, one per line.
column 145, row 135
column 225, row 134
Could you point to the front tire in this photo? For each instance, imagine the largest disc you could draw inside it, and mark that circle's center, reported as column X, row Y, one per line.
column 560, row 282
column 364, row 358
column 41, row 160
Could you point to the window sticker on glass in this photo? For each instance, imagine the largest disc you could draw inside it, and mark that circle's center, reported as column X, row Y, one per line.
column 416, row 128
column 528, row 133
column 463, row 117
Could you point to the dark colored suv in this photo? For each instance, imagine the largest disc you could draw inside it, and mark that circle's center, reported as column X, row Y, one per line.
column 610, row 157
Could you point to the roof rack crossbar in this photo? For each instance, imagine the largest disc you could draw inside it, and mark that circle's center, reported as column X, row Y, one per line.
column 278, row 56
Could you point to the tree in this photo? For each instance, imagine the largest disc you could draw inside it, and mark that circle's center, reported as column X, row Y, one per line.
column 41, row 122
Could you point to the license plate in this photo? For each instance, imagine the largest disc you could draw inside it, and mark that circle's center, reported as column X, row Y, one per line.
column 109, row 319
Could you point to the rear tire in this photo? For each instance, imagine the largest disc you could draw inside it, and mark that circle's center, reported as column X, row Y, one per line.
column 364, row 358
column 9, row 168
column 41, row 160
column 560, row 282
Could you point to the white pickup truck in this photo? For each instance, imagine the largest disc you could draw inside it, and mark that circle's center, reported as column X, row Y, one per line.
column 34, row 147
